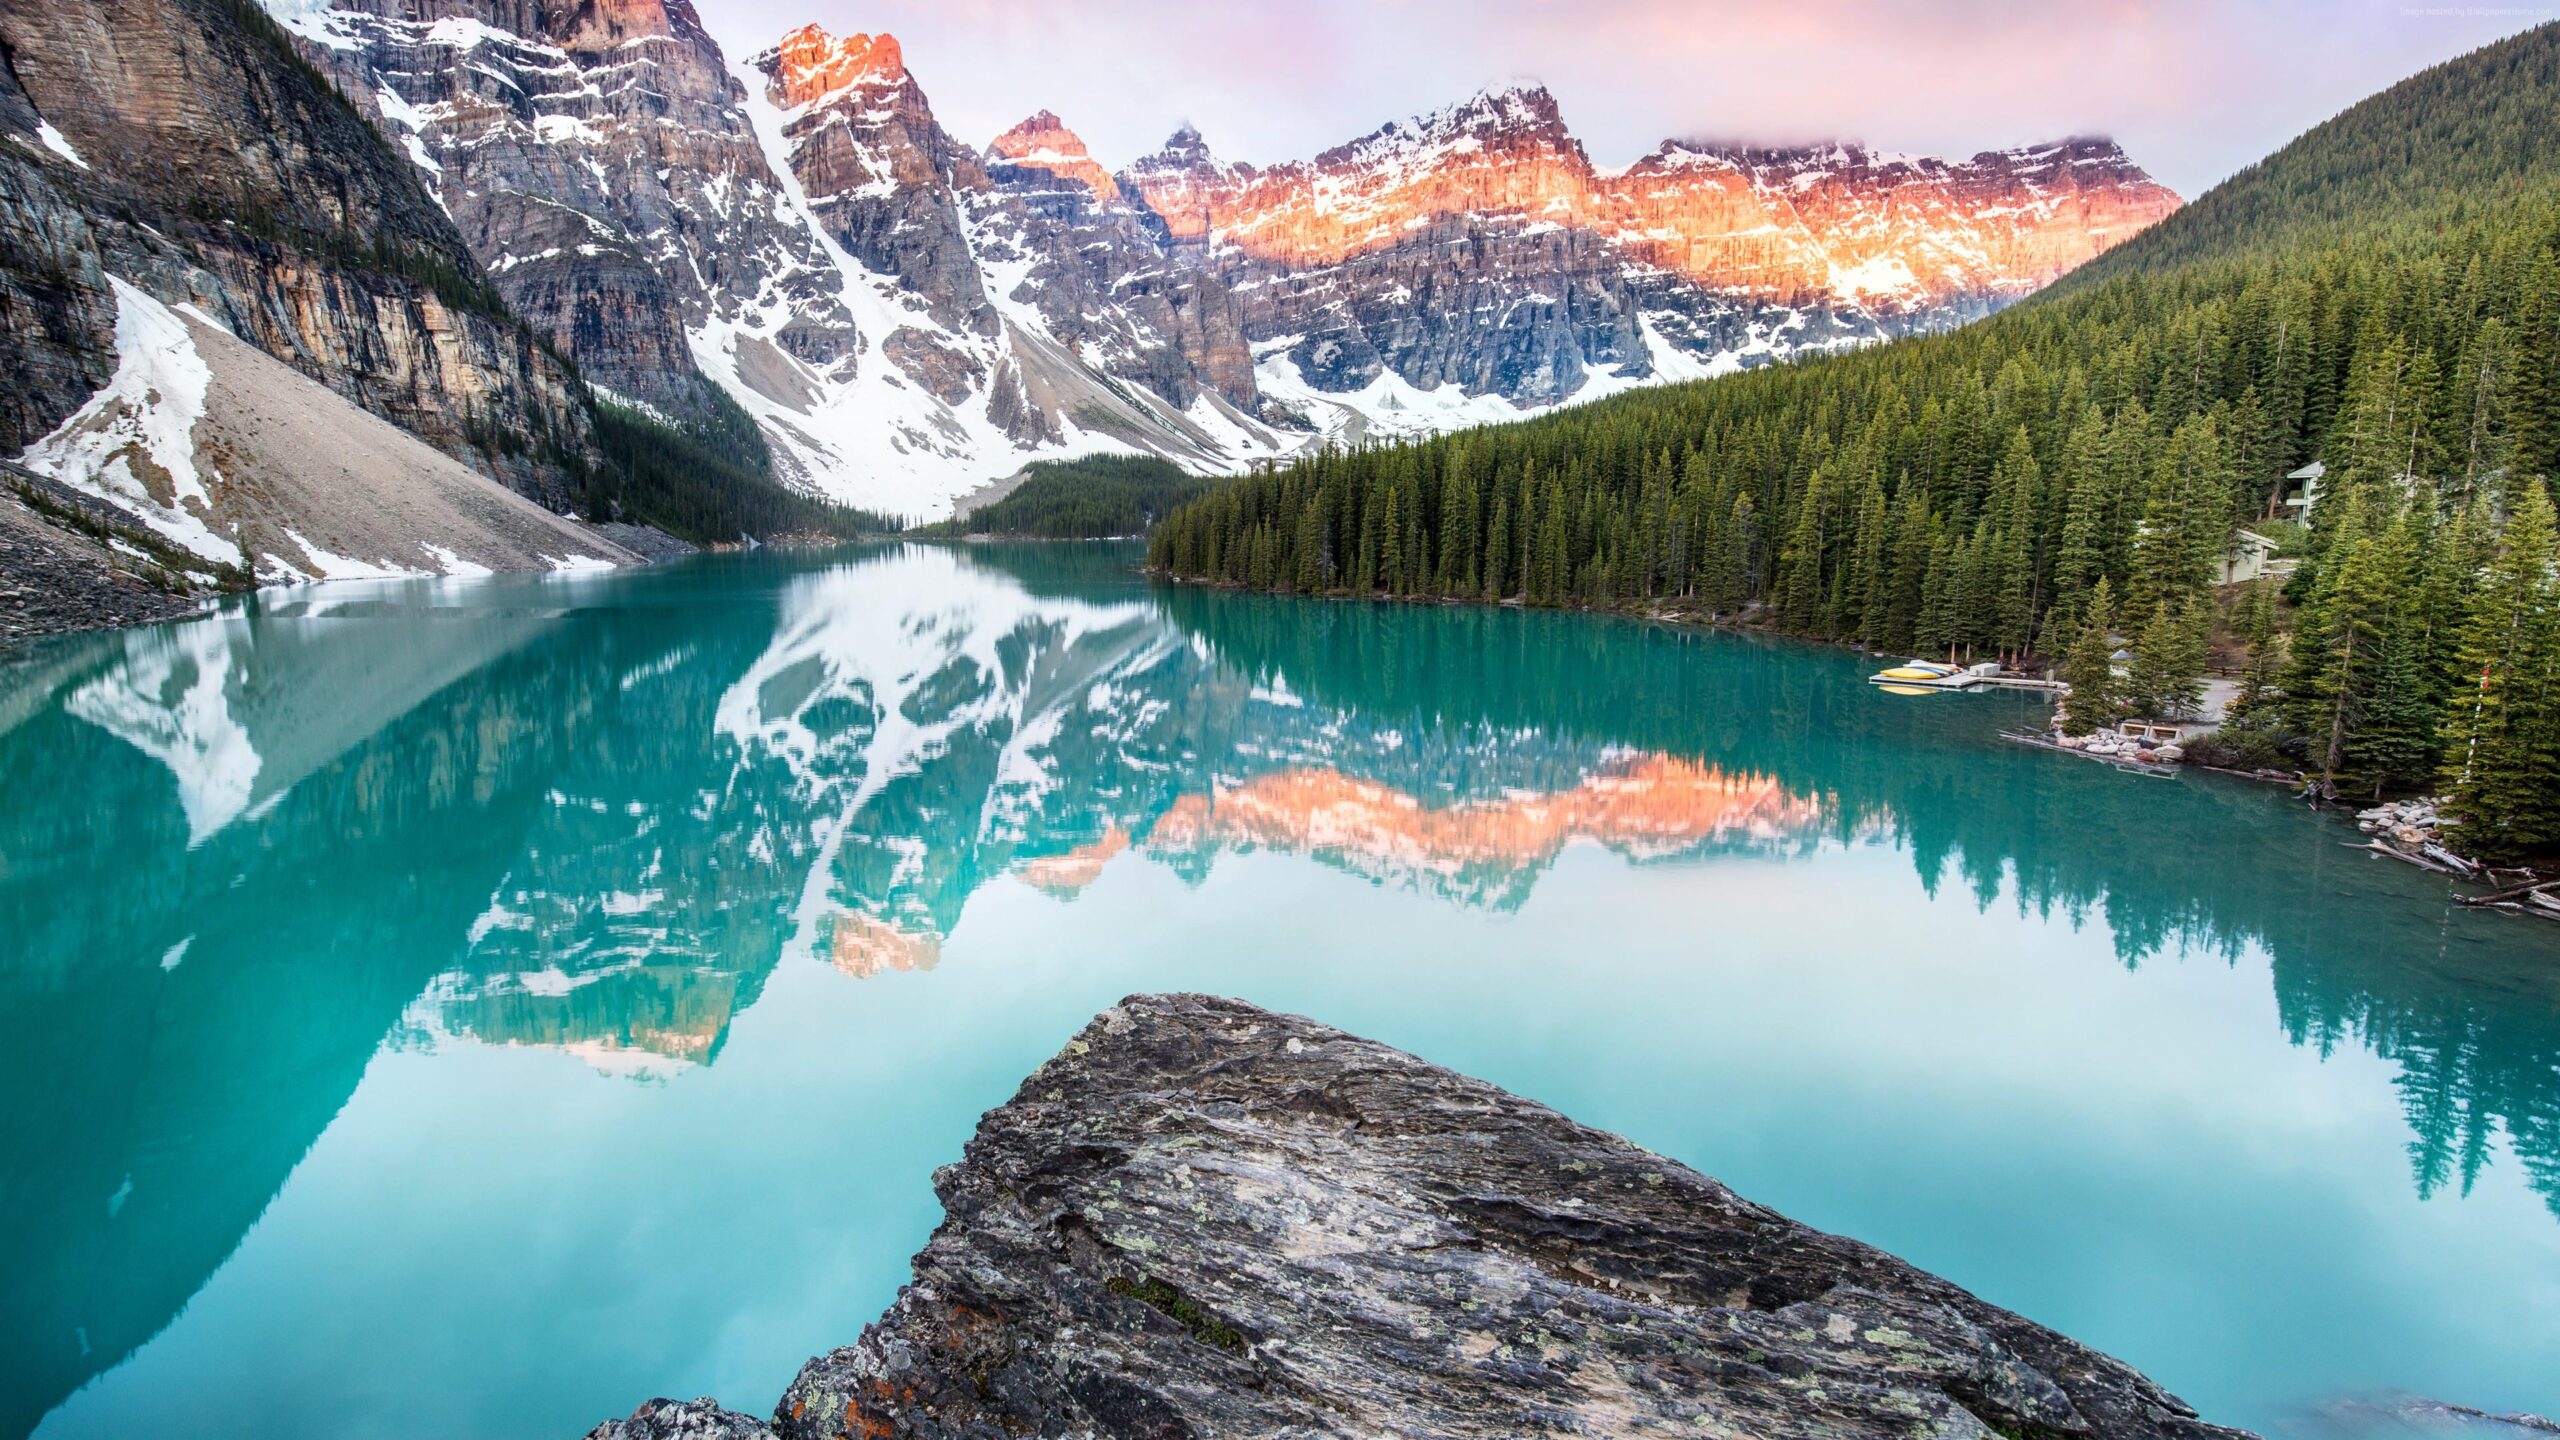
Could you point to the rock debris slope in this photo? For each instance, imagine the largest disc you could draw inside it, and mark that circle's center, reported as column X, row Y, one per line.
column 177, row 150
column 1204, row 1219
column 238, row 328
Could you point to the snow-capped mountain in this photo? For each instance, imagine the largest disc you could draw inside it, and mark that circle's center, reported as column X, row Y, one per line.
column 1049, row 324
column 908, row 316
column 1894, row 234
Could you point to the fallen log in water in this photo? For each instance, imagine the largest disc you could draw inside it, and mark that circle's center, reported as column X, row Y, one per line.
column 2513, row 892
column 2396, row 853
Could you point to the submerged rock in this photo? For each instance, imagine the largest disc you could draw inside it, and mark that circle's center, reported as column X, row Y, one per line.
column 701, row 1419
column 2402, row 1416
column 1204, row 1219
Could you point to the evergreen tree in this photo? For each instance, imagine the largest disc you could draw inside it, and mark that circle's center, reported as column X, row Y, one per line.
column 2090, row 669
column 2501, row 741
column 2259, row 686
column 2165, row 680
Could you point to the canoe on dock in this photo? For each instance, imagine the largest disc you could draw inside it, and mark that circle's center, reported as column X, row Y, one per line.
column 1915, row 675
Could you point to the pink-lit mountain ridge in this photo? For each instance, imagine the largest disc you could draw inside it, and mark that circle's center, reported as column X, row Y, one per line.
column 908, row 316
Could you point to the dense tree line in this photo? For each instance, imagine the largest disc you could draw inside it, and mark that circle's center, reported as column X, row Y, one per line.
column 1093, row 498
column 2063, row 478
column 707, row 481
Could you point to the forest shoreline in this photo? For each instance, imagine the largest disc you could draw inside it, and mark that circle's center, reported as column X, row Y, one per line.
column 2342, row 808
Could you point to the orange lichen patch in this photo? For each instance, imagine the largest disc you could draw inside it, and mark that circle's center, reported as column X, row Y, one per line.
column 965, row 1327
column 1655, row 804
column 860, row 1421
column 862, row 946
column 1067, row 875
column 810, row 64
column 1043, row 142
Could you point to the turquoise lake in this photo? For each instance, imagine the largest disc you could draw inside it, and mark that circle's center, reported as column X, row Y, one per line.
column 470, row 1008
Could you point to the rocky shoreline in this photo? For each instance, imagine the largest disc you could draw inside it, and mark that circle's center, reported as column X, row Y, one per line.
column 1205, row 1219
column 70, row 563
column 73, row 562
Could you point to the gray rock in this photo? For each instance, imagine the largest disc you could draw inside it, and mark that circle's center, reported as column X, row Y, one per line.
column 56, row 577
column 701, row 1419
column 1204, row 1219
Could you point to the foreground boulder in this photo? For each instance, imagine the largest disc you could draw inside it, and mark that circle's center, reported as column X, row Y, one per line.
column 1204, row 1219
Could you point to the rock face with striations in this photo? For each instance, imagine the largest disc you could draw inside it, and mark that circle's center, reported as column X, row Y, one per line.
column 1478, row 247
column 179, row 146
column 1058, row 237
column 599, row 160
column 1204, row 1219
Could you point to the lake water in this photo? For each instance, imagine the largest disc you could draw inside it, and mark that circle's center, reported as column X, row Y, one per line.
column 471, row 1008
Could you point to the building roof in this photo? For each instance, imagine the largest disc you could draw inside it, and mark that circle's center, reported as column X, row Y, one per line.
column 2312, row 471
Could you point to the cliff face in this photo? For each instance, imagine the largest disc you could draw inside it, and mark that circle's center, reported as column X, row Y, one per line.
column 180, row 145
column 1058, row 237
column 1204, row 1219
column 1900, row 235
column 880, row 172
column 598, row 160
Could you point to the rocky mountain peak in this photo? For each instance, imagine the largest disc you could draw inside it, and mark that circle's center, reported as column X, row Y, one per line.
column 1519, row 105
column 810, row 65
column 1506, row 120
column 2089, row 157
column 1043, row 142
column 1185, row 153
column 1039, row 125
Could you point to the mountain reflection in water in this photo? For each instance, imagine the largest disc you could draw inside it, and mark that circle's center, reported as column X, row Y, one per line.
column 242, row 856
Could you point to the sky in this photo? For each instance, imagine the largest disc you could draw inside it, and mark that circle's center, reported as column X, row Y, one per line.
column 2193, row 89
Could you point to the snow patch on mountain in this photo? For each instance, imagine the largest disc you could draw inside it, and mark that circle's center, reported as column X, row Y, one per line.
column 134, row 443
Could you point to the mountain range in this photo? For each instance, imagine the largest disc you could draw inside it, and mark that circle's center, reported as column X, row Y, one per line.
column 559, row 208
